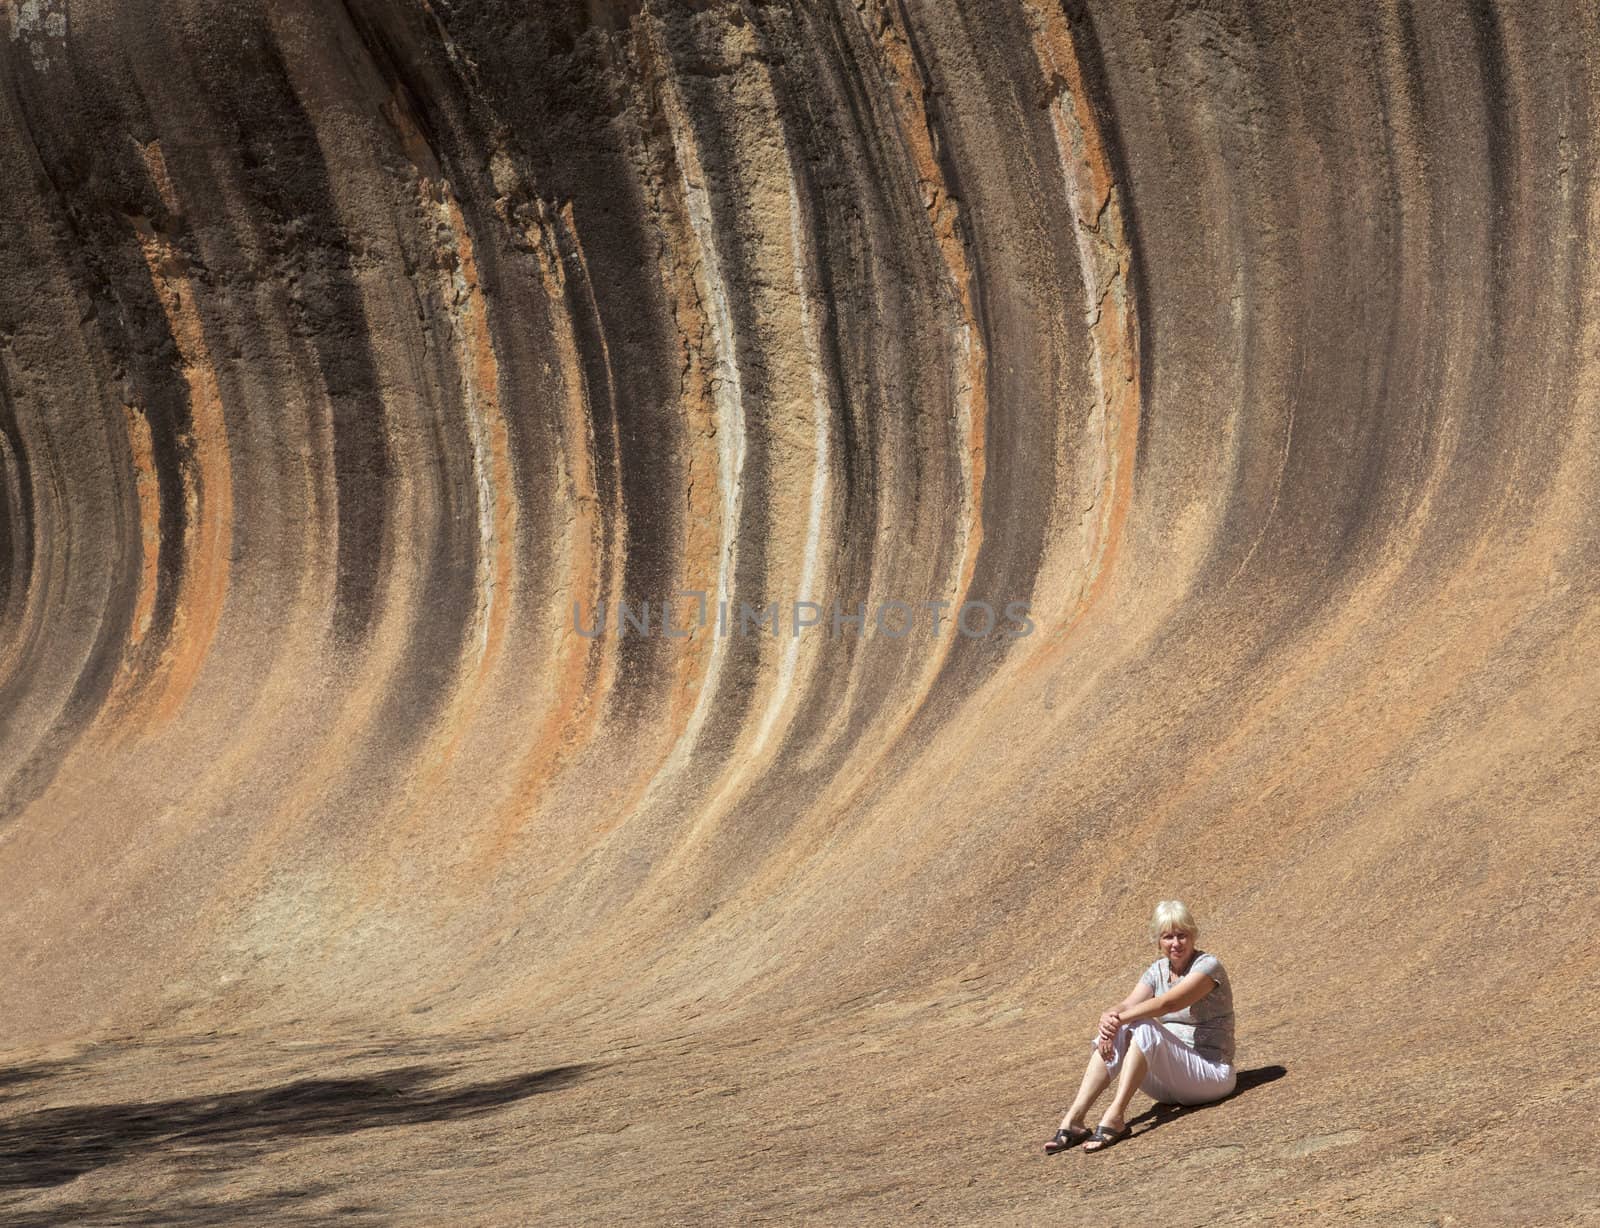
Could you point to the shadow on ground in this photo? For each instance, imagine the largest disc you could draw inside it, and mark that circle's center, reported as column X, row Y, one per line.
column 16, row 1076
column 1160, row 1114
column 281, row 1208
column 52, row 1146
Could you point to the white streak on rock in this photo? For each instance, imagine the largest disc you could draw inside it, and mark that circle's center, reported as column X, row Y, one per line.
column 820, row 413
column 728, row 397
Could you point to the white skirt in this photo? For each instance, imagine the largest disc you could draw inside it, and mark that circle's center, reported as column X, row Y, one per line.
column 1175, row 1073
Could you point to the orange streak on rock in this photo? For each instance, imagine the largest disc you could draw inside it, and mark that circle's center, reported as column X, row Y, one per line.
column 486, row 383
column 1106, row 260
column 572, row 712
column 207, row 488
column 155, row 162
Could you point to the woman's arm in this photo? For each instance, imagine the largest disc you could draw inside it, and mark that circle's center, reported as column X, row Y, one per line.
column 1185, row 993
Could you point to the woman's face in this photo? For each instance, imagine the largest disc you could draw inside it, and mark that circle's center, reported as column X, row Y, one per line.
column 1177, row 946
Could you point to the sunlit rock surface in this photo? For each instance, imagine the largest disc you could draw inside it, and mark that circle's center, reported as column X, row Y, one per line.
column 361, row 363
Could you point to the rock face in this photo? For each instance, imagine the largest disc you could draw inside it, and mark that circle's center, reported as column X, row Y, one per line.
column 426, row 426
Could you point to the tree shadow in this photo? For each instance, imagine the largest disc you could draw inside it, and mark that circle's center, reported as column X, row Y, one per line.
column 1160, row 1114
column 31, row 1072
column 285, row 1208
column 52, row 1146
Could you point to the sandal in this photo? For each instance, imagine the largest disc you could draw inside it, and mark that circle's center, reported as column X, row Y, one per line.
column 1103, row 1138
column 1064, row 1138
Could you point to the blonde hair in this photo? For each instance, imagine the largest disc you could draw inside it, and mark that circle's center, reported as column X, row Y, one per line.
column 1172, row 915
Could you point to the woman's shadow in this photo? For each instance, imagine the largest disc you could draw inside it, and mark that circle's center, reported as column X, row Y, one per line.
column 1159, row 1114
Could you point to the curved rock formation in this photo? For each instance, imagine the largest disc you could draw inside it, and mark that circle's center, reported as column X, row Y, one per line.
column 428, row 428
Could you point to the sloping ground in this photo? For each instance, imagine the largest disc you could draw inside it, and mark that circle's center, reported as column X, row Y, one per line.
column 354, row 358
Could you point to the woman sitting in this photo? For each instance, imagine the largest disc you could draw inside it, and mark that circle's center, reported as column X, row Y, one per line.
column 1172, row 1037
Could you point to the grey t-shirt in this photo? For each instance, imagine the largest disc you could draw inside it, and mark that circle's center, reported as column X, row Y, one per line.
column 1207, row 1025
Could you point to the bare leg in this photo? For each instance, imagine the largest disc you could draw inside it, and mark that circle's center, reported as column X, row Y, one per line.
column 1095, row 1080
column 1134, row 1065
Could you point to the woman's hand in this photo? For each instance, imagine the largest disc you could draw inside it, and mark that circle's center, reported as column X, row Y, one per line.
column 1112, row 1021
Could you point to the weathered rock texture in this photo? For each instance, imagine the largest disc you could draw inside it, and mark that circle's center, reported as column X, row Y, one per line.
column 345, row 348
